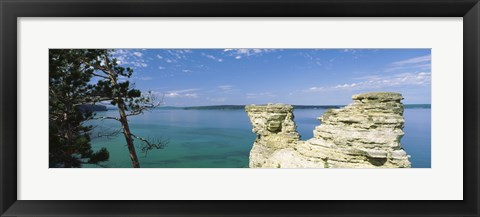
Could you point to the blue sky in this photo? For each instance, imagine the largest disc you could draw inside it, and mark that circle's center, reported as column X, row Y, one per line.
column 195, row 77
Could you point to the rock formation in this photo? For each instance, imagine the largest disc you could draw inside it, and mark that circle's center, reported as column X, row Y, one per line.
column 364, row 134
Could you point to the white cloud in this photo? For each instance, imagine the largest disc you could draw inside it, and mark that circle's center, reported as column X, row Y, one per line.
column 346, row 85
column 212, row 57
column 187, row 93
column 417, row 63
column 315, row 89
column 426, row 66
column 179, row 60
column 352, row 51
column 174, row 55
column 172, row 94
column 178, row 54
column 377, row 82
column 313, row 57
column 355, row 53
column 420, row 59
column 258, row 95
column 142, row 78
column 139, row 64
column 130, row 57
column 243, row 52
column 225, row 87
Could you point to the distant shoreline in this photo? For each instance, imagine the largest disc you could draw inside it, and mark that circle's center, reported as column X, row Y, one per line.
column 242, row 107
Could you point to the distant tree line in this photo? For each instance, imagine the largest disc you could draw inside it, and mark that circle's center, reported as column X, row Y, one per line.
column 71, row 86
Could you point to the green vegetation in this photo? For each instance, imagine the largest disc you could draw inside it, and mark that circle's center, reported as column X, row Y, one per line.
column 92, row 108
column 73, row 96
column 69, row 140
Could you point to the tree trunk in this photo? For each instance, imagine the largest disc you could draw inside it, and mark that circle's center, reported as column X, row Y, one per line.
column 123, row 119
column 67, row 162
column 128, row 136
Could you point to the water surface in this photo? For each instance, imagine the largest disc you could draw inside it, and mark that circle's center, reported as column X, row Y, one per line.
column 223, row 138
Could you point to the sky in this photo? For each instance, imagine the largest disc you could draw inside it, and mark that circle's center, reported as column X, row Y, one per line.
column 198, row 77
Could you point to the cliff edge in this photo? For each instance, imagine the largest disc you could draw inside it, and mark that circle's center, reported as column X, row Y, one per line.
column 363, row 134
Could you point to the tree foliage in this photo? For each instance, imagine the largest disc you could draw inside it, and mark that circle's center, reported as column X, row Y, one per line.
column 72, row 72
column 114, row 86
column 69, row 139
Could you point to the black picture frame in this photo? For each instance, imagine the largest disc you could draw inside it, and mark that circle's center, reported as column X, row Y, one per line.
column 10, row 10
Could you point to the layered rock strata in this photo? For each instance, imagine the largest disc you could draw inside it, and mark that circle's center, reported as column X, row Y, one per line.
column 364, row 134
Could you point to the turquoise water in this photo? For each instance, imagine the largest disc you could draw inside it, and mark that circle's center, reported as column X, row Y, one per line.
column 223, row 138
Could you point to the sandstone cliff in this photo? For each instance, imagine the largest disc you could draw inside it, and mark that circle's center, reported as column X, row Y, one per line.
column 364, row 134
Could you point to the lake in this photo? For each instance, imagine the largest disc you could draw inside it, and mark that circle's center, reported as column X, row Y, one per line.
column 223, row 138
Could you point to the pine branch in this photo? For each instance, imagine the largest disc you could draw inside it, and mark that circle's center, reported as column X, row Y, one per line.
column 110, row 134
column 101, row 76
column 105, row 118
column 150, row 145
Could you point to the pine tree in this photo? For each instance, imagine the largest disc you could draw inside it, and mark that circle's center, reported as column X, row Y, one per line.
column 129, row 101
column 71, row 73
column 69, row 139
